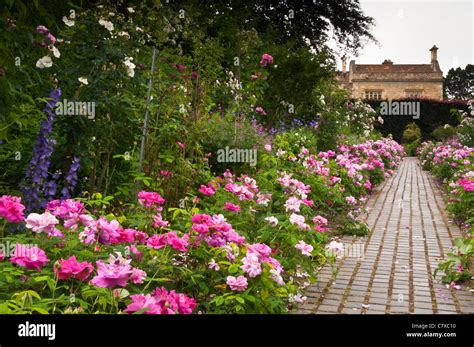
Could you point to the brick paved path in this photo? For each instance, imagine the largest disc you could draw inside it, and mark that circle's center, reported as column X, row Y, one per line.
column 410, row 233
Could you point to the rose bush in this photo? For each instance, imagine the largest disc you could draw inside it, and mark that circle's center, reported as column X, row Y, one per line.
column 452, row 164
column 239, row 244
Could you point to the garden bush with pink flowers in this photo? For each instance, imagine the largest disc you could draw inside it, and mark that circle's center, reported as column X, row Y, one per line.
column 452, row 163
column 104, row 212
column 239, row 244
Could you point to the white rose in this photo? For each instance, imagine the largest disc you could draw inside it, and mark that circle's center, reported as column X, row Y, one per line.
column 46, row 61
column 83, row 80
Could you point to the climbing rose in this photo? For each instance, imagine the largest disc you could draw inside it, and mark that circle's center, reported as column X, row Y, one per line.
column 71, row 268
column 137, row 276
column 44, row 222
column 161, row 302
column 251, row 264
column 208, row 191
column 351, row 200
column 11, row 208
column 177, row 243
column 140, row 302
column 149, row 199
column 272, row 220
column 266, row 59
column 231, row 207
column 238, row 284
column 260, row 110
column 213, row 265
column 261, row 250
column 158, row 221
column 318, row 220
column 304, row 248
column 30, row 257
column 159, row 241
column 111, row 275
column 42, row 30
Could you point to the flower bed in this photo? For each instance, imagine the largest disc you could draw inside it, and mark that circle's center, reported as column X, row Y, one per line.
column 452, row 164
column 238, row 245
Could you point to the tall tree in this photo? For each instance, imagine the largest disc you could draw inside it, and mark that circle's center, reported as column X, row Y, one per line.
column 303, row 21
column 459, row 83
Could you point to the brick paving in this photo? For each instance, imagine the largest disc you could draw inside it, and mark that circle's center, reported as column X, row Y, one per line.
column 393, row 272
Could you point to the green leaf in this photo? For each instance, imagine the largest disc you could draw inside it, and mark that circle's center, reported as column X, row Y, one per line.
column 233, row 268
column 219, row 301
column 39, row 310
column 4, row 308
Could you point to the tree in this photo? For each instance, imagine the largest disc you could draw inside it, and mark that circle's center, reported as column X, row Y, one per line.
column 459, row 83
column 308, row 23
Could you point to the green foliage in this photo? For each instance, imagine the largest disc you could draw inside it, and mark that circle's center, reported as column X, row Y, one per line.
column 443, row 133
column 459, row 83
column 433, row 113
column 411, row 138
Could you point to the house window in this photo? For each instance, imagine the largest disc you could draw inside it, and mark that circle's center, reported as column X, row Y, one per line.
column 373, row 94
column 413, row 93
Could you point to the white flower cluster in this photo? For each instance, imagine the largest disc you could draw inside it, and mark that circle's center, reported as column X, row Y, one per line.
column 129, row 66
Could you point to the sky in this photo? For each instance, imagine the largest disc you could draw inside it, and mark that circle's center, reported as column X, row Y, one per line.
column 407, row 29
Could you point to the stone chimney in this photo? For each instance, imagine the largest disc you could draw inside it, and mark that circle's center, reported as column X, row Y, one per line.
column 387, row 62
column 344, row 67
column 434, row 59
column 434, row 53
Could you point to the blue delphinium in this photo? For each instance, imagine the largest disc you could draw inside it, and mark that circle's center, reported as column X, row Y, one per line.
column 71, row 179
column 36, row 184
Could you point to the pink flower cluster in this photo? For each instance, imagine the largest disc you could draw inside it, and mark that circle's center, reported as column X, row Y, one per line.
column 172, row 239
column 150, row 199
column 304, row 248
column 466, row 184
column 293, row 186
column 299, row 221
column 108, row 233
column 158, row 221
column 238, row 284
column 320, row 223
column 43, row 223
column 266, row 60
column 257, row 254
column 30, row 257
column 161, row 302
column 215, row 230
column 71, row 211
column 117, row 271
column 231, row 207
column 11, row 208
column 260, row 110
column 453, row 154
column 210, row 189
column 71, row 268
column 41, row 29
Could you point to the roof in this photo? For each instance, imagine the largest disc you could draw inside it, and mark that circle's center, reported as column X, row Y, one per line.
column 395, row 68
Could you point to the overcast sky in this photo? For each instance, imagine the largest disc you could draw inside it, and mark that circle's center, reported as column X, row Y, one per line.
column 407, row 29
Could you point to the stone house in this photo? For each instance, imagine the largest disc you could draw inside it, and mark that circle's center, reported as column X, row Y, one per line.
column 393, row 81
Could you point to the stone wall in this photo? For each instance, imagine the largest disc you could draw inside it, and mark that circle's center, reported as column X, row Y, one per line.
column 396, row 89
